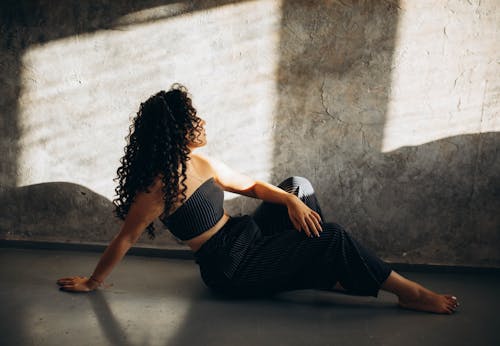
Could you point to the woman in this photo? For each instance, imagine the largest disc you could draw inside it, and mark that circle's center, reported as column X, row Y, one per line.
column 284, row 245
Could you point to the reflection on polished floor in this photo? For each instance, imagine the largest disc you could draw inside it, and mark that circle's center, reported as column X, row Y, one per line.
column 163, row 301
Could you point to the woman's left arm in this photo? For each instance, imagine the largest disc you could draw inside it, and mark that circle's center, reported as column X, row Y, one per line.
column 302, row 217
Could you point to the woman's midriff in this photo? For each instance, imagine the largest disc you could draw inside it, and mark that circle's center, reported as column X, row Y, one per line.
column 196, row 242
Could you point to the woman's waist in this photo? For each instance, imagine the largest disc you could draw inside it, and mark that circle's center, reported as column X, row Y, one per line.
column 231, row 228
column 197, row 242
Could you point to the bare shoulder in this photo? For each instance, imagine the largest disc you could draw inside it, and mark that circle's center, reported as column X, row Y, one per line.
column 208, row 163
column 202, row 157
column 227, row 177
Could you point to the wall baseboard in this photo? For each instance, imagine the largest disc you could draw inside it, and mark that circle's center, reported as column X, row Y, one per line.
column 181, row 253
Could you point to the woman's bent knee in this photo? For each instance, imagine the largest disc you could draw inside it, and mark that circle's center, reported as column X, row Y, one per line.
column 293, row 182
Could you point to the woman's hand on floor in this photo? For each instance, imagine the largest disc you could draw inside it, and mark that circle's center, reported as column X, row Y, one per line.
column 303, row 217
column 77, row 284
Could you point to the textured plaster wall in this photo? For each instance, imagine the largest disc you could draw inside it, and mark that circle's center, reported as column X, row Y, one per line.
column 76, row 76
column 393, row 113
column 389, row 108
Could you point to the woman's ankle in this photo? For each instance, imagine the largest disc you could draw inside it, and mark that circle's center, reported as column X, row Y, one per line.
column 411, row 293
column 405, row 289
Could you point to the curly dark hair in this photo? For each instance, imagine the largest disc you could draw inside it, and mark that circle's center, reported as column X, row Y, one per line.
column 157, row 145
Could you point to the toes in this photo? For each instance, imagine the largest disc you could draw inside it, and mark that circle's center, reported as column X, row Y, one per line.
column 452, row 299
column 455, row 302
column 452, row 307
column 448, row 309
column 451, row 303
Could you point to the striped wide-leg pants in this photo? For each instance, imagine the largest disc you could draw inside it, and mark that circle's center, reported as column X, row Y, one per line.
column 262, row 253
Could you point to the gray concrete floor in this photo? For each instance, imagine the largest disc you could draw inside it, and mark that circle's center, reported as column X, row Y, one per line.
column 162, row 301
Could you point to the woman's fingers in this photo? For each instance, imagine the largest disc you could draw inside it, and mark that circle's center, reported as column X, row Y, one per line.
column 306, row 227
column 301, row 224
column 317, row 225
column 315, row 213
column 71, row 278
column 74, row 289
column 65, row 281
column 296, row 225
column 80, row 287
column 318, row 217
column 306, row 219
column 76, row 284
column 72, row 281
column 312, row 226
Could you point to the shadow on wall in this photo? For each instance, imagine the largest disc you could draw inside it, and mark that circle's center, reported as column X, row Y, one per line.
column 66, row 212
column 432, row 203
column 27, row 22
column 336, row 53
column 30, row 22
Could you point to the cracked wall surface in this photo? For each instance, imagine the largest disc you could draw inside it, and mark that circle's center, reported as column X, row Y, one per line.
column 389, row 108
column 393, row 113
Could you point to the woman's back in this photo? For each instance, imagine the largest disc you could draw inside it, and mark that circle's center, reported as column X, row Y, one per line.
column 199, row 212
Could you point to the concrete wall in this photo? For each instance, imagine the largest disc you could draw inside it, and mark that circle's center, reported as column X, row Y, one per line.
column 389, row 108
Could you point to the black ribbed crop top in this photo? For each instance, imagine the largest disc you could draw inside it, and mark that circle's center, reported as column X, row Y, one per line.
column 201, row 211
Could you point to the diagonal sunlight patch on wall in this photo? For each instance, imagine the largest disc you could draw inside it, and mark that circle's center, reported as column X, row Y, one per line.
column 80, row 93
column 444, row 79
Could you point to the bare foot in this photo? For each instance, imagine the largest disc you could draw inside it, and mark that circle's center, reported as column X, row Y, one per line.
column 416, row 297
column 427, row 300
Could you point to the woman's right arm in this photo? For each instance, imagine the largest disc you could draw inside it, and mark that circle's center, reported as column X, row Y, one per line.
column 145, row 208
column 301, row 216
